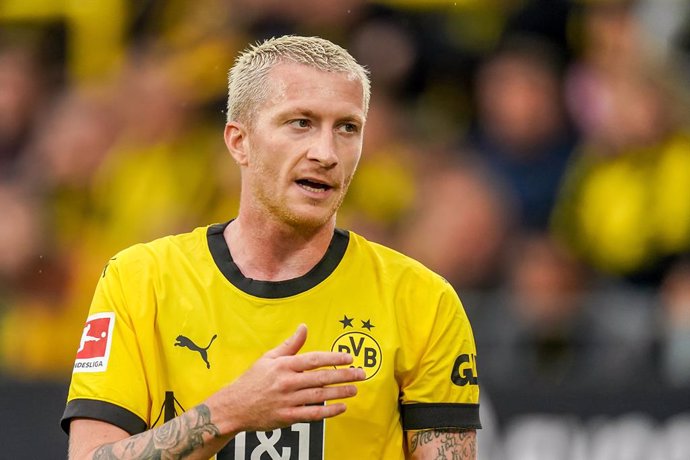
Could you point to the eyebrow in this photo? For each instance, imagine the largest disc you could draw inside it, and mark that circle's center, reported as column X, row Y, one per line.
column 304, row 112
column 308, row 113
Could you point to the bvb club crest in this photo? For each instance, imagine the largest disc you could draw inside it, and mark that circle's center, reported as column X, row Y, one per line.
column 361, row 345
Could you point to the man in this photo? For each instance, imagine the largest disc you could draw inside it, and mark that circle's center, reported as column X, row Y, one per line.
column 180, row 369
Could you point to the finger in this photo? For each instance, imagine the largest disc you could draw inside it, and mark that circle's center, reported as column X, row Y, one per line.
column 313, row 413
column 292, row 345
column 321, row 395
column 325, row 377
column 316, row 359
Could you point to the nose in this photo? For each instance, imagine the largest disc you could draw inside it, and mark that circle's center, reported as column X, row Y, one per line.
column 323, row 150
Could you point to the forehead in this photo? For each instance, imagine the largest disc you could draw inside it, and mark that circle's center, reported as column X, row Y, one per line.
column 298, row 84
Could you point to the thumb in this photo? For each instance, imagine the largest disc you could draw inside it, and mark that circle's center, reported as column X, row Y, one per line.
column 292, row 345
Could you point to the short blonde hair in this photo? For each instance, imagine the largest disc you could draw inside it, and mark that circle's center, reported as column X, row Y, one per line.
column 247, row 78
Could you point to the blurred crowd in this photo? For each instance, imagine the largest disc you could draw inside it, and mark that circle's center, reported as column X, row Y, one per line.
column 535, row 153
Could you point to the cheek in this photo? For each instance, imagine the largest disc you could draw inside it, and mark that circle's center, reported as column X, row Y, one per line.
column 268, row 174
column 261, row 159
column 350, row 152
column 350, row 162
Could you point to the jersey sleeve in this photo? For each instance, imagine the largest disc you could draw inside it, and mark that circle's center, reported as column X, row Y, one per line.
column 440, row 386
column 108, row 381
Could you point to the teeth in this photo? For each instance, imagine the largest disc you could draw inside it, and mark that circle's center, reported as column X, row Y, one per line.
column 312, row 189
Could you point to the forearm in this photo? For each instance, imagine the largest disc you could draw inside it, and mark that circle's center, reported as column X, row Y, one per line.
column 191, row 435
column 451, row 444
column 281, row 388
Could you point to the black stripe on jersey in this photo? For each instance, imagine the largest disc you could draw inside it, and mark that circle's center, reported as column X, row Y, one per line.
column 103, row 411
column 275, row 289
column 421, row 416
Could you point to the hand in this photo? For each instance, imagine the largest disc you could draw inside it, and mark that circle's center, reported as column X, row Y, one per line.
column 283, row 388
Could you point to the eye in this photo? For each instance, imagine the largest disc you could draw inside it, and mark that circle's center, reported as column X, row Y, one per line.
column 349, row 128
column 300, row 123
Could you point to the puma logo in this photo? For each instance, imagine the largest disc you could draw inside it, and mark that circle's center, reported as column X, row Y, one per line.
column 183, row 341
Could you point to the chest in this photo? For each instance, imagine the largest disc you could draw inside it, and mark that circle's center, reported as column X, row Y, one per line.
column 203, row 340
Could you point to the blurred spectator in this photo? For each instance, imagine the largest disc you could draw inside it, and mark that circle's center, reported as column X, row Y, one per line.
column 20, row 237
column 521, row 130
column 389, row 51
column 160, row 173
column 70, row 142
column 22, row 90
column 545, row 329
column 609, row 44
column 620, row 207
column 127, row 165
column 75, row 135
column 411, row 61
column 102, row 149
column 72, row 139
column 32, row 284
column 57, row 165
column 460, row 224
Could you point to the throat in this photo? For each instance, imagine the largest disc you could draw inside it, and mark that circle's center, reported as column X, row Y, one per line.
column 270, row 256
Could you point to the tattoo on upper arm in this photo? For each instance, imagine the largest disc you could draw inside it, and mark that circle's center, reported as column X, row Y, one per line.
column 175, row 439
column 449, row 444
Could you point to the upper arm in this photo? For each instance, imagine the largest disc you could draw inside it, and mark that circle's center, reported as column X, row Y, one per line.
column 439, row 359
column 87, row 434
column 110, row 381
column 439, row 385
column 441, row 444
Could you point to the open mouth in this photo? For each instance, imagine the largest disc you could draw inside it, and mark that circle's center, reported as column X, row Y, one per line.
column 313, row 186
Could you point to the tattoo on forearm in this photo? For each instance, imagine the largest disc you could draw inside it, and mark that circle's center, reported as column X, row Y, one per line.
column 449, row 444
column 175, row 439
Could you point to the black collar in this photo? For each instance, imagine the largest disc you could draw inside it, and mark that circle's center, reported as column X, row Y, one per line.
column 275, row 289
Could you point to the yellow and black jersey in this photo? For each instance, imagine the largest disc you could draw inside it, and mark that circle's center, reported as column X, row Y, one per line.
column 174, row 320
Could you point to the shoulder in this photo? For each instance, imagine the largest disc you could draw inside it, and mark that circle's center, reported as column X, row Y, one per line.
column 395, row 264
column 162, row 251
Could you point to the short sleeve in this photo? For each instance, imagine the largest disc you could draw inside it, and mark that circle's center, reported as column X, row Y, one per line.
column 108, row 381
column 440, row 387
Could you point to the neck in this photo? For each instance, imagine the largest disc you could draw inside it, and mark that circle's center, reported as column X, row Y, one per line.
column 270, row 251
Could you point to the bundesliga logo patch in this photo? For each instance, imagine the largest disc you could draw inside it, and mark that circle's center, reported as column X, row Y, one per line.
column 94, row 346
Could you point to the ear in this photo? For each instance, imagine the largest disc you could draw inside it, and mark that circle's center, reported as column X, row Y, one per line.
column 236, row 141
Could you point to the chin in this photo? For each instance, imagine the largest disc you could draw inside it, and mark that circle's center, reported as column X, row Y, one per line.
column 310, row 220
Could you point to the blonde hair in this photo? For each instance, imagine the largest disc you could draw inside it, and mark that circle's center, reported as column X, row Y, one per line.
column 247, row 86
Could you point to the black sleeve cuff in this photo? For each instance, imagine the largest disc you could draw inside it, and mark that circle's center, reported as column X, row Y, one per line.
column 422, row 416
column 103, row 411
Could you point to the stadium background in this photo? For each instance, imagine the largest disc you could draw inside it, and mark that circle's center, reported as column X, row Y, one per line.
column 535, row 153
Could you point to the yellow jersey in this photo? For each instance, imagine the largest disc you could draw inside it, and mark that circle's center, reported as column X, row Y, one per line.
column 174, row 320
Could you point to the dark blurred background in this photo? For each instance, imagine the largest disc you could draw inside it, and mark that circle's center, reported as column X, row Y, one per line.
column 535, row 153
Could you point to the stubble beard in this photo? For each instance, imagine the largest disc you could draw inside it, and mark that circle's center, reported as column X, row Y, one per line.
column 300, row 221
column 281, row 211
column 305, row 221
